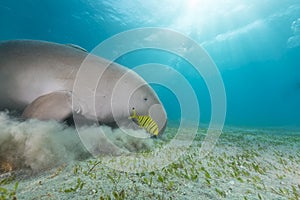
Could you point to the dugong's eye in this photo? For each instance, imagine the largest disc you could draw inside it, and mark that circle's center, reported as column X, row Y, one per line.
column 145, row 99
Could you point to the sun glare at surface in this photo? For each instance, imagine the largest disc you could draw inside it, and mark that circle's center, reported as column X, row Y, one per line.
column 200, row 16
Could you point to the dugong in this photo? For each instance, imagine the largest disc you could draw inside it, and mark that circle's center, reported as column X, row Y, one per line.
column 50, row 81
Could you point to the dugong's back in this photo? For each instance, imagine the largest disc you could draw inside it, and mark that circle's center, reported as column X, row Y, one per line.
column 29, row 69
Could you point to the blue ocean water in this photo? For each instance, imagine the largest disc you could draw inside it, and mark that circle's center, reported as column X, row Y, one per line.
column 255, row 45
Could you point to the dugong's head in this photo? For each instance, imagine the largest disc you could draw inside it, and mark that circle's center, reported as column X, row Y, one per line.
column 133, row 102
column 115, row 95
column 124, row 99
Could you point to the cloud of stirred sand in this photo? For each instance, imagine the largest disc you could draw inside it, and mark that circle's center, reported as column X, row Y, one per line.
column 40, row 145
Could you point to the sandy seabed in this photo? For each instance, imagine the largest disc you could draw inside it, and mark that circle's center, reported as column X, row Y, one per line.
column 246, row 163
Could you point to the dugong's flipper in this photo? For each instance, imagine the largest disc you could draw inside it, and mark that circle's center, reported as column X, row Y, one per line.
column 56, row 105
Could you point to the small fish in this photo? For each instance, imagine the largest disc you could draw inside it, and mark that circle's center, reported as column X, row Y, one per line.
column 145, row 122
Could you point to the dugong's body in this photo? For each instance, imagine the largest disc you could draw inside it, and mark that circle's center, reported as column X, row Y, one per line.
column 46, row 80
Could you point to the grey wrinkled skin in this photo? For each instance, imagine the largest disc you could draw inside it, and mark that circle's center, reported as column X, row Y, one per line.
column 37, row 80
